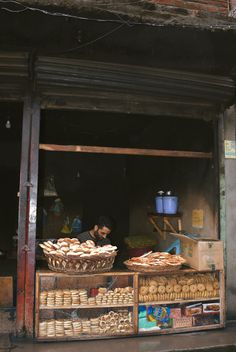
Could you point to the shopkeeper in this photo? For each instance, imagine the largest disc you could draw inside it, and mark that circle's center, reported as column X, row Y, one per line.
column 98, row 234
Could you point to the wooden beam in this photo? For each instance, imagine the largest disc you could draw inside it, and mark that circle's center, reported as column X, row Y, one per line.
column 27, row 217
column 32, row 217
column 124, row 151
column 22, row 217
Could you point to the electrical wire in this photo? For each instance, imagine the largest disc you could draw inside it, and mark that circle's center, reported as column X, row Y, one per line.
column 118, row 20
column 56, row 14
column 94, row 40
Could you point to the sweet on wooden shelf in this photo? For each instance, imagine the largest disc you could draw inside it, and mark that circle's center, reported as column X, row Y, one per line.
column 125, row 303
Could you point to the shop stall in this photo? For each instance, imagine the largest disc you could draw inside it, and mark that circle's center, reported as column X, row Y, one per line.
column 81, row 297
column 115, row 304
column 117, row 297
column 111, row 144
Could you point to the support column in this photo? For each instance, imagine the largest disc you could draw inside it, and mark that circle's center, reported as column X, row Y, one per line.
column 228, row 204
column 22, row 217
column 27, row 217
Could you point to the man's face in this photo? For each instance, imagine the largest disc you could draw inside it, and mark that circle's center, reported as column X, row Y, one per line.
column 101, row 232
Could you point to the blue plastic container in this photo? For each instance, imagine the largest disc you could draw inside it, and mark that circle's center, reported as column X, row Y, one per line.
column 159, row 204
column 76, row 226
column 170, row 204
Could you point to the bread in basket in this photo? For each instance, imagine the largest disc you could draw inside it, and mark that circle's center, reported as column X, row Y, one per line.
column 70, row 256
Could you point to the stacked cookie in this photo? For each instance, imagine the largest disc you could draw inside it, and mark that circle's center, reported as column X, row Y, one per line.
column 66, row 297
column 118, row 322
column 117, row 296
column 172, row 287
column 73, row 297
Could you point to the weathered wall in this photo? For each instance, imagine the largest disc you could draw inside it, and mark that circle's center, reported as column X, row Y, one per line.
column 213, row 6
column 7, row 321
column 199, row 13
column 193, row 182
column 230, row 220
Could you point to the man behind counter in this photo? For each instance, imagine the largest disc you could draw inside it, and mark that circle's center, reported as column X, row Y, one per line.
column 98, row 234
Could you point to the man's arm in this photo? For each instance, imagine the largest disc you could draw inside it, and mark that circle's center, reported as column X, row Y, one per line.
column 104, row 241
column 84, row 236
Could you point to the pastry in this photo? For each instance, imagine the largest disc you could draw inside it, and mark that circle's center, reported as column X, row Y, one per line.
column 209, row 287
column 153, row 283
column 185, row 288
column 161, row 289
column 169, row 288
column 201, row 287
column 144, row 290
column 177, row 288
column 193, row 288
column 153, row 289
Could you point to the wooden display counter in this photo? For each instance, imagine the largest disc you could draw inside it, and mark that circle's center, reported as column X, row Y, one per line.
column 125, row 303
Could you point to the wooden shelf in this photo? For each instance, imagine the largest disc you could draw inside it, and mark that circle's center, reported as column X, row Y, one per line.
column 47, row 272
column 51, row 280
column 125, row 151
column 82, row 306
column 178, row 301
column 164, row 223
column 178, row 330
column 84, row 337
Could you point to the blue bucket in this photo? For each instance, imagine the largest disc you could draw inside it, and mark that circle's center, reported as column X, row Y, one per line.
column 159, row 204
column 170, row 204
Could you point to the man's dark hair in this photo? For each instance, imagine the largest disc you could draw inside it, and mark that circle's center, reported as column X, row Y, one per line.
column 105, row 221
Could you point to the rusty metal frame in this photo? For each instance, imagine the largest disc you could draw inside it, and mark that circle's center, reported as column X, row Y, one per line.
column 27, row 217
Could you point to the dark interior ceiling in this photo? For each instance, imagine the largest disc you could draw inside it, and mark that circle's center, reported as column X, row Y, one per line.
column 110, row 129
column 122, row 130
column 162, row 47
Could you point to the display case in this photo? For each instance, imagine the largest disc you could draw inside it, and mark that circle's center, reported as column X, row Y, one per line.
column 115, row 304
column 85, row 306
column 182, row 301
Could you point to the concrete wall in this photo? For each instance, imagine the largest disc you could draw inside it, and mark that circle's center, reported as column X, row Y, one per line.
column 230, row 218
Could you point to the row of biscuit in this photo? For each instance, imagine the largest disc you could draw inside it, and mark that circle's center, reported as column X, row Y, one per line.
column 171, row 287
column 64, row 297
column 177, row 296
column 111, row 323
column 181, row 279
column 73, row 297
column 120, row 295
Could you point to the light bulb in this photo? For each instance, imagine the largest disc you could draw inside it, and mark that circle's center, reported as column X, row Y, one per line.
column 8, row 124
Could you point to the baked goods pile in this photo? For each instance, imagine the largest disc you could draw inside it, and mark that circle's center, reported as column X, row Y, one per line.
column 70, row 256
column 72, row 248
column 114, row 322
column 174, row 287
column 76, row 297
column 155, row 261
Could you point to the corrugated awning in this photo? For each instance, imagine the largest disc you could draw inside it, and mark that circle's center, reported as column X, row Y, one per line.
column 70, row 83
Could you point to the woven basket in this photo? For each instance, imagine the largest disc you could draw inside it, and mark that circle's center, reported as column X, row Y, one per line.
column 80, row 265
column 153, row 269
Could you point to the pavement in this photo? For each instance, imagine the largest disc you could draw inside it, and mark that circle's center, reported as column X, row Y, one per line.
column 216, row 340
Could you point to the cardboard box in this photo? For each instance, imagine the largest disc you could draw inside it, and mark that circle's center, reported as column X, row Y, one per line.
column 184, row 322
column 193, row 309
column 175, row 313
column 211, row 307
column 202, row 254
